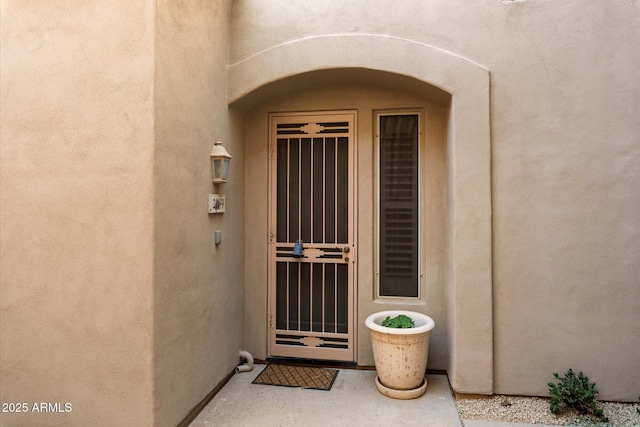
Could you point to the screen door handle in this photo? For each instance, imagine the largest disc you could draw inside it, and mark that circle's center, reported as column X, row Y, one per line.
column 297, row 249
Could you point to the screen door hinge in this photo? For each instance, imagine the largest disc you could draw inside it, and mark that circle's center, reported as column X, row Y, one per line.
column 270, row 321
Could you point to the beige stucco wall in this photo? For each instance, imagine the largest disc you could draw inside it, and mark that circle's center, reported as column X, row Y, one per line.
column 564, row 161
column 76, row 225
column 112, row 295
column 198, row 286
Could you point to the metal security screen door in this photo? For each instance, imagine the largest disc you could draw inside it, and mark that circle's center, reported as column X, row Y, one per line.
column 311, row 236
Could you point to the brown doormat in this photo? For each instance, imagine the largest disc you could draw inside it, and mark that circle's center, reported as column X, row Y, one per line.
column 297, row 376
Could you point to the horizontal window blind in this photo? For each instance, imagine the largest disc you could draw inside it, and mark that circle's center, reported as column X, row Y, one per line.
column 398, row 216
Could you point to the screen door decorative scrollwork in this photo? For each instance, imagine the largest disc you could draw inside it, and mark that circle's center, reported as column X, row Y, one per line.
column 311, row 236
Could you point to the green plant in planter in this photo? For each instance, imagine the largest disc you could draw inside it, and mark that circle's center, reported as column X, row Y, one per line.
column 400, row 321
column 574, row 392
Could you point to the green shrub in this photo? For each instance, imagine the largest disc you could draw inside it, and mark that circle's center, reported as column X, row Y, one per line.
column 400, row 321
column 574, row 392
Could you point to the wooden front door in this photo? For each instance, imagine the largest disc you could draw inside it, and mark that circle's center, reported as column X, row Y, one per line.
column 312, row 286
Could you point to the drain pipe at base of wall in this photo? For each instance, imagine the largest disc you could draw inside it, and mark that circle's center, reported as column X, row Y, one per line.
column 247, row 366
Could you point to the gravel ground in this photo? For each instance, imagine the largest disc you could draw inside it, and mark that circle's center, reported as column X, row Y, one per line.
column 535, row 410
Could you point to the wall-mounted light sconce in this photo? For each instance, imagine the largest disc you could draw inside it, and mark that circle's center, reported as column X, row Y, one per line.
column 220, row 160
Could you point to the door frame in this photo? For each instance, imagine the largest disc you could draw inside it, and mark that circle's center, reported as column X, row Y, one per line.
column 353, row 231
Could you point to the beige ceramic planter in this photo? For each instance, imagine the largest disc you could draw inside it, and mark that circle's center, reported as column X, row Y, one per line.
column 400, row 355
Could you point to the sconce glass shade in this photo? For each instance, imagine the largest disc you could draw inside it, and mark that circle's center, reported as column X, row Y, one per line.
column 220, row 161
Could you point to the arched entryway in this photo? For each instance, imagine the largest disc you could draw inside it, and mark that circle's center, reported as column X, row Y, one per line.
column 445, row 79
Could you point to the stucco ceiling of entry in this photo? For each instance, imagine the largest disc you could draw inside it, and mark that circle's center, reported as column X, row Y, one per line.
column 346, row 76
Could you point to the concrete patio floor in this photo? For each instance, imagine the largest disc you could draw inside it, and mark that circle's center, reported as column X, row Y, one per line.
column 352, row 401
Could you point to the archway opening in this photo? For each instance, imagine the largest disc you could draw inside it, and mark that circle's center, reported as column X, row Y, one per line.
column 445, row 79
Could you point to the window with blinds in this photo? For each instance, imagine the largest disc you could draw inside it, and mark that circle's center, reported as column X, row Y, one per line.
column 398, row 205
